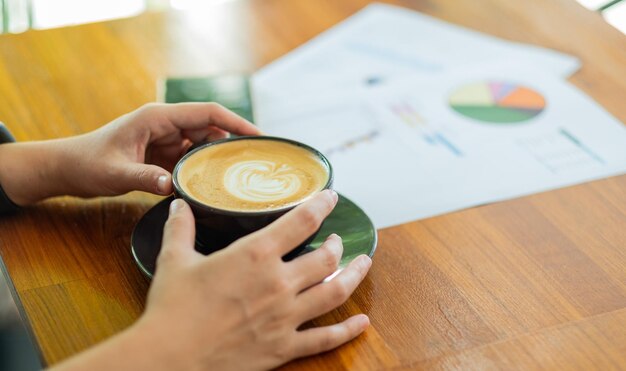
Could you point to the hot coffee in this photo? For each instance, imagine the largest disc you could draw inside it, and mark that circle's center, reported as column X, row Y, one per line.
column 252, row 175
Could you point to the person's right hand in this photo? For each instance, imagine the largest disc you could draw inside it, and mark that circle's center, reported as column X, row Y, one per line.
column 241, row 307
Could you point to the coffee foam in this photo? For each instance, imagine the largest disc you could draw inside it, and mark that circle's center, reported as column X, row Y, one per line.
column 261, row 181
column 252, row 175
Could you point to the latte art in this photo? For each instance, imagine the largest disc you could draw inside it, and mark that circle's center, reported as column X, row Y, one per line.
column 252, row 175
column 260, row 180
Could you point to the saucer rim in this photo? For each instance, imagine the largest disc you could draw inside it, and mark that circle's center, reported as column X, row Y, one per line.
column 150, row 275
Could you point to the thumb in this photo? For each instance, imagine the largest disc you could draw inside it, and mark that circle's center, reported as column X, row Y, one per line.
column 179, row 231
column 147, row 178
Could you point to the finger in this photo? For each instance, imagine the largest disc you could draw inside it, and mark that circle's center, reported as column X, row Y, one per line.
column 217, row 134
column 198, row 135
column 162, row 138
column 322, row 339
column 145, row 177
column 178, row 234
column 312, row 268
column 191, row 116
column 329, row 295
column 293, row 228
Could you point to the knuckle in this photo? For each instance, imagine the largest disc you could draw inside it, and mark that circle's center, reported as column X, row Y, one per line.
column 257, row 254
column 310, row 219
column 143, row 175
column 326, row 342
column 110, row 171
column 114, row 170
column 149, row 107
column 167, row 255
column 329, row 259
column 280, row 285
column 283, row 350
column 214, row 106
column 287, row 352
column 340, row 293
column 173, row 222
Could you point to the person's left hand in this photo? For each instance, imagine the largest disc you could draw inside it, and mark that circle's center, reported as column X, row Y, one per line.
column 139, row 150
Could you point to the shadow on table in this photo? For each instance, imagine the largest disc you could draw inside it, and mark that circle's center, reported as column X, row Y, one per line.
column 17, row 349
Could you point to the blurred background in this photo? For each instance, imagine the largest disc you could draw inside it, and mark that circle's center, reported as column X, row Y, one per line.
column 21, row 15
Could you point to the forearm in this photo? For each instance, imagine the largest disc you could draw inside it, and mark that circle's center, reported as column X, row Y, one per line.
column 33, row 171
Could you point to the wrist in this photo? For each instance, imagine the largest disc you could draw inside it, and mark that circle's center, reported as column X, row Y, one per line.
column 30, row 171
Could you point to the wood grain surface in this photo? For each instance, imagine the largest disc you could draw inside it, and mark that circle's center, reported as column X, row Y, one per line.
column 537, row 282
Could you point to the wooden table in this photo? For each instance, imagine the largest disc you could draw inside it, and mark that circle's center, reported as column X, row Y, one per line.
column 534, row 282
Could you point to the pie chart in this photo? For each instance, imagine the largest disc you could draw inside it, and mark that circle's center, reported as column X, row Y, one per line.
column 497, row 102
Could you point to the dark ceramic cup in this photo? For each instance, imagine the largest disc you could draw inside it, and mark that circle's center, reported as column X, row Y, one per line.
column 217, row 228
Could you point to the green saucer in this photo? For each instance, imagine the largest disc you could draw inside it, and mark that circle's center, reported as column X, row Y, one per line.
column 347, row 220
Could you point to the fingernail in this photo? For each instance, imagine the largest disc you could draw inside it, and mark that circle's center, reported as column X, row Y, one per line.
column 336, row 236
column 334, row 196
column 176, row 206
column 364, row 321
column 365, row 262
column 162, row 184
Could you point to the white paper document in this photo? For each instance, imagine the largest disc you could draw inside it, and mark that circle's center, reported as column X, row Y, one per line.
column 419, row 117
column 384, row 43
column 439, row 143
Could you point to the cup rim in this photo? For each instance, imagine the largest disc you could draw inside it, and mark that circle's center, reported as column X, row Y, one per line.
column 179, row 191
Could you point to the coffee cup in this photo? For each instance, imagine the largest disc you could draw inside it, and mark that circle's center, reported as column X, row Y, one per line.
column 239, row 185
